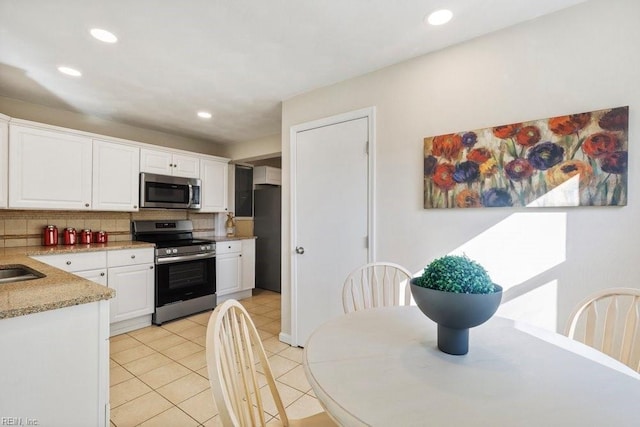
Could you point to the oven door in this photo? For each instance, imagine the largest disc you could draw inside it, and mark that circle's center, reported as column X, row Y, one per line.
column 183, row 278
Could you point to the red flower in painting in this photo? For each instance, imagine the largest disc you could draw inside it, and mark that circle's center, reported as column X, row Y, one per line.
column 506, row 131
column 468, row 199
column 615, row 162
column 518, row 169
column 567, row 125
column 447, row 146
column 528, row 136
column 616, row 119
column 443, row 176
column 479, row 155
column 599, row 144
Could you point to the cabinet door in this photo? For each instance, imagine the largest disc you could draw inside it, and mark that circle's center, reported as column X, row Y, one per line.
column 248, row 264
column 115, row 176
column 134, row 291
column 186, row 166
column 214, row 185
column 4, row 152
column 153, row 161
column 97, row 276
column 49, row 169
column 228, row 273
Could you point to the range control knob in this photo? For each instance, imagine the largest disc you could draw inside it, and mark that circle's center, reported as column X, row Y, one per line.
column 202, row 248
column 174, row 251
column 167, row 251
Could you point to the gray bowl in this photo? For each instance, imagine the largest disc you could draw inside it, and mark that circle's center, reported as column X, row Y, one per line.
column 455, row 314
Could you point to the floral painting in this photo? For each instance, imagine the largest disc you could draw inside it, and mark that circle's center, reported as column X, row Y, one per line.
column 574, row 160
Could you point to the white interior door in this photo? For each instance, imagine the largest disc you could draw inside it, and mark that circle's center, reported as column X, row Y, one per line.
column 330, row 219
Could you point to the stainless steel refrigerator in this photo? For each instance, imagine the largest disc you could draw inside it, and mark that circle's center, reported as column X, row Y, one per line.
column 266, row 226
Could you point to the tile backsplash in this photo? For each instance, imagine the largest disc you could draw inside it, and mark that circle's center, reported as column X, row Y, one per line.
column 25, row 227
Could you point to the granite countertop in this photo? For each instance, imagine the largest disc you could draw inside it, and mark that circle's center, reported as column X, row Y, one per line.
column 58, row 289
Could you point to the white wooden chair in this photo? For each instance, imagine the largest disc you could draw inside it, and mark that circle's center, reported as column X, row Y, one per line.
column 233, row 350
column 608, row 321
column 377, row 284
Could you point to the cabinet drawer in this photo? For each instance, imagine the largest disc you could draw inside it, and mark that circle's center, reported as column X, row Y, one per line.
column 129, row 257
column 76, row 262
column 228, row 247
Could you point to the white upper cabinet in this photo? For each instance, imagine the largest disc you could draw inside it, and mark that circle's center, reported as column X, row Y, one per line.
column 49, row 169
column 168, row 163
column 4, row 152
column 214, row 176
column 116, row 168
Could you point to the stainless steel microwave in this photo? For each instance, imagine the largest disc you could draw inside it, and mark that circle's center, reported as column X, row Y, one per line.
column 169, row 192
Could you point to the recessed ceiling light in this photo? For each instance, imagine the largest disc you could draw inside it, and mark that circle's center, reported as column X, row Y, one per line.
column 440, row 17
column 204, row 114
column 69, row 71
column 103, row 35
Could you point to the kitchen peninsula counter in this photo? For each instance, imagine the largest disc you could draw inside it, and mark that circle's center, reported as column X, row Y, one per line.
column 58, row 289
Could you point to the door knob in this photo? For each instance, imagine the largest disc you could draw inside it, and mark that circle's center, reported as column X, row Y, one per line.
column 300, row 250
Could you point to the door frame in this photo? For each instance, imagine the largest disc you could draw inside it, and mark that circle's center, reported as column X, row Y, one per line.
column 370, row 114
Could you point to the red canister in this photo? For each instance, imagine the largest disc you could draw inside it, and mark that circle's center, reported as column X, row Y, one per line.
column 70, row 236
column 50, row 235
column 85, row 236
column 100, row 236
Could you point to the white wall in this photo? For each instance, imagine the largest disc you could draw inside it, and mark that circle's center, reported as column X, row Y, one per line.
column 580, row 59
column 260, row 148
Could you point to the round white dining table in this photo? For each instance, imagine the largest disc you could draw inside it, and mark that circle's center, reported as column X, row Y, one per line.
column 382, row 367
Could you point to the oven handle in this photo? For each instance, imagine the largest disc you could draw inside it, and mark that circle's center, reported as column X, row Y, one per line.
column 173, row 259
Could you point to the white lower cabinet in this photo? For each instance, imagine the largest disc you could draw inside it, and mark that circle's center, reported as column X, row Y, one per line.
column 248, row 264
column 134, row 291
column 130, row 272
column 228, row 267
column 98, row 276
column 235, row 269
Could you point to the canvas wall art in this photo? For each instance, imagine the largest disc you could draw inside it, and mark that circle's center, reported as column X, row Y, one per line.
column 574, row 160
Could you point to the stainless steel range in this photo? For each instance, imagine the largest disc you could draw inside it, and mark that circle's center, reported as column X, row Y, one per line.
column 185, row 268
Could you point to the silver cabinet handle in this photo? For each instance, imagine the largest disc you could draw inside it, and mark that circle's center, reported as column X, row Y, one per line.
column 300, row 250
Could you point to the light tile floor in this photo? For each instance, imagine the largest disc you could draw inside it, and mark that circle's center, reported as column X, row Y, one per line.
column 159, row 375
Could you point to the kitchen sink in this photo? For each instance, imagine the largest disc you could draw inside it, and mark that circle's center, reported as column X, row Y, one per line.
column 17, row 273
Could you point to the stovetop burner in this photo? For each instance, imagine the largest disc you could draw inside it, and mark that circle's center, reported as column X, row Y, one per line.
column 172, row 238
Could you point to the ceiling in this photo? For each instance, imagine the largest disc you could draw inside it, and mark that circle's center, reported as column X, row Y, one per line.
column 238, row 59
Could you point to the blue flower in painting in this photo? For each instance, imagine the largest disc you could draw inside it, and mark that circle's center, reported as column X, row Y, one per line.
column 469, row 139
column 496, row 198
column 466, row 172
column 545, row 155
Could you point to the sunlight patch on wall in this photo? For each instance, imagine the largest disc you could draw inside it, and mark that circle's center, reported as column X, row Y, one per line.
column 516, row 251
